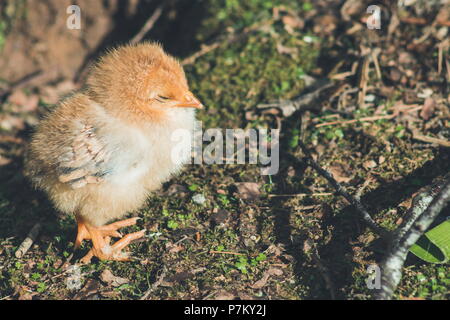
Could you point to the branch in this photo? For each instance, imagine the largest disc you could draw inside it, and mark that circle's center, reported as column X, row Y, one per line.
column 148, row 25
column 155, row 285
column 303, row 102
column 28, row 242
column 343, row 192
column 221, row 40
column 409, row 234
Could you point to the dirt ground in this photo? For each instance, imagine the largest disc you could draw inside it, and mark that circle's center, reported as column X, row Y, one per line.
column 382, row 128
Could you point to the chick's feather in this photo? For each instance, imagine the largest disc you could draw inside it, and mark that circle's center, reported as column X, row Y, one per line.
column 86, row 161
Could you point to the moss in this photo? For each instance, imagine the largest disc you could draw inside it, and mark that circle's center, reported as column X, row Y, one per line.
column 237, row 76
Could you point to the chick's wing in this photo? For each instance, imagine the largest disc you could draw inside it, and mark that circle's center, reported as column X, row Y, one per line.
column 85, row 160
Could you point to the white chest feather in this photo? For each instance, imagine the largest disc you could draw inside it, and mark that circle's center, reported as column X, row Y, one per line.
column 137, row 153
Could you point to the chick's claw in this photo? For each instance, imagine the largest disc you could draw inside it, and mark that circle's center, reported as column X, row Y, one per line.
column 101, row 237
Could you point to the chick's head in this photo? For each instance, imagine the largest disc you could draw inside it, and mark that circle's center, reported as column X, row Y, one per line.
column 140, row 80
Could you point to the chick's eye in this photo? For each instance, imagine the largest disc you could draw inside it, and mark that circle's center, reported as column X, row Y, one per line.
column 162, row 98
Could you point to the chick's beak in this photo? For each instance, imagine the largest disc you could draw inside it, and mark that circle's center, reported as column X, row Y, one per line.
column 190, row 101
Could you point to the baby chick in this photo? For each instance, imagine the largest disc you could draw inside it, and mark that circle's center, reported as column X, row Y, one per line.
column 101, row 151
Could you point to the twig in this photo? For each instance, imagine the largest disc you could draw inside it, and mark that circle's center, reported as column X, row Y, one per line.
column 155, row 285
column 421, row 137
column 27, row 243
column 406, row 237
column 363, row 79
column 374, row 53
column 422, row 21
column 304, row 102
column 11, row 139
column 343, row 192
column 33, row 77
column 227, row 252
column 221, row 40
column 412, row 108
column 148, row 25
column 323, row 194
column 364, row 119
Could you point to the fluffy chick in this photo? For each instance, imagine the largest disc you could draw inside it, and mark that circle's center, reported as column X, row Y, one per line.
column 101, row 151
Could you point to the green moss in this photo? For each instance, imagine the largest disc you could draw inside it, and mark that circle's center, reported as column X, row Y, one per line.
column 237, row 76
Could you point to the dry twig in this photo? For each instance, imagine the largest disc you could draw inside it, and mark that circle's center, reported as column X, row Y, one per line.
column 148, row 25
column 227, row 252
column 28, row 242
column 221, row 40
column 155, row 285
column 303, row 102
column 343, row 192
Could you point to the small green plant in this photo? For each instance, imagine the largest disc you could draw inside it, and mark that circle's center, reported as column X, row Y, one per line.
column 172, row 224
column 193, row 187
column 223, row 199
column 41, row 287
column 242, row 264
column 36, row 276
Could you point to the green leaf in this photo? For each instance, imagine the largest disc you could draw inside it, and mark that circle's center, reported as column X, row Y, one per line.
column 434, row 245
column 193, row 187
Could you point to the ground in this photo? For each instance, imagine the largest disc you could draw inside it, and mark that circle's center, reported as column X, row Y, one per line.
column 286, row 236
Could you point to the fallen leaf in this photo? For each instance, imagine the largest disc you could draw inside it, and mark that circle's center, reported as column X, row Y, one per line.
column 248, row 190
column 18, row 97
column 325, row 24
column 110, row 279
column 219, row 217
column 428, row 108
column 91, row 288
column 176, row 249
column 224, row 295
column 11, row 122
column 293, row 21
column 369, row 164
column 351, row 8
column 340, row 172
column 177, row 190
column 263, row 281
column 286, row 50
column 307, row 245
column 4, row 161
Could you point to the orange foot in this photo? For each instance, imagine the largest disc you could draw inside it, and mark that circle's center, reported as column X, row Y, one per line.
column 101, row 237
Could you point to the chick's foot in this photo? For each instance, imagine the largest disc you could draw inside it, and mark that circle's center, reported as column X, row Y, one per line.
column 101, row 237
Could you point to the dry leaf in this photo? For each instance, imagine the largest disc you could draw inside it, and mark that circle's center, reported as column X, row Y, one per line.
column 352, row 8
column 90, row 288
column 325, row 24
column 18, row 97
column 177, row 190
column 248, row 190
column 286, row 50
column 4, row 161
column 293, row 21
column 224, row 295
column 176, row 249
column 369, row 164
column 110, row 279
column 340, row 172
column 263, row 281
column 428, row 108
